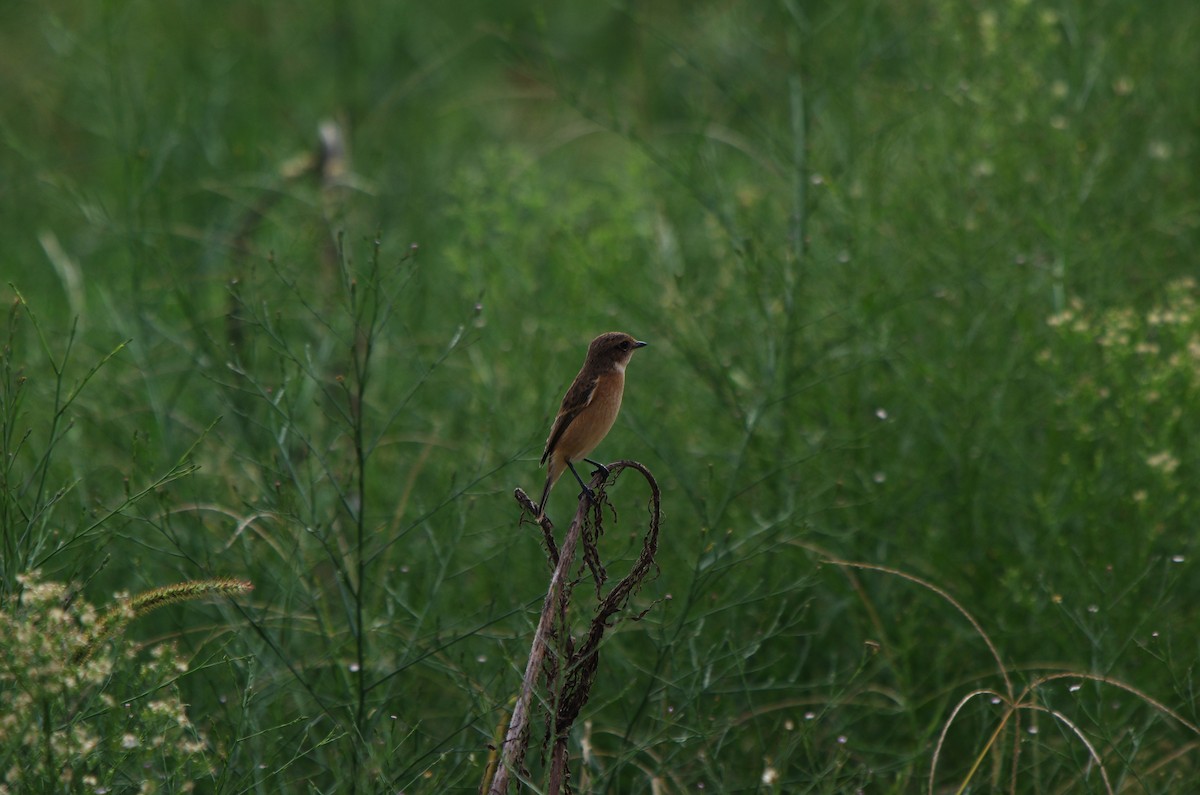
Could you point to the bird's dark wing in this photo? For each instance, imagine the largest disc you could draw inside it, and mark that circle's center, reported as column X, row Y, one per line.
column 576, row 400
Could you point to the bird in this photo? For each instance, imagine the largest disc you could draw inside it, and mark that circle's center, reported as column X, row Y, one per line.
column 588, row 409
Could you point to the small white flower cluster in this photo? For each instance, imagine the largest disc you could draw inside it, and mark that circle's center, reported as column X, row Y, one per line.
column 63, row 721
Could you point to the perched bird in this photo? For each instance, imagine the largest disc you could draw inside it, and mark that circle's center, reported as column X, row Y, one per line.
column 589, row 408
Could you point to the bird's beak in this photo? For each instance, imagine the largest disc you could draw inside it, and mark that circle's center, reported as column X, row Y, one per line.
column 640, row 344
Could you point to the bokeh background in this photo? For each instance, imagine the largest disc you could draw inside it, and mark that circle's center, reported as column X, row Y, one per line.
column 293, row 292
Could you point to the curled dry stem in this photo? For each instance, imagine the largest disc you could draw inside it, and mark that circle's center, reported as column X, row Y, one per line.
column 571, row 672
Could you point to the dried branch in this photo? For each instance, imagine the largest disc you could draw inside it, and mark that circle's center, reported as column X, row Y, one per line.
column 573, row 670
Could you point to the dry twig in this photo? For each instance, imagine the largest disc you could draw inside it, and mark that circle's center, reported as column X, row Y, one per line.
column 571, row 671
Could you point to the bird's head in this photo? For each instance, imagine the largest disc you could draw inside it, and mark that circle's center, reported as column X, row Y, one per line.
column 612, row 351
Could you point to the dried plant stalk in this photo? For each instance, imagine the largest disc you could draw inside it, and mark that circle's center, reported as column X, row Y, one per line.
column 576, row 667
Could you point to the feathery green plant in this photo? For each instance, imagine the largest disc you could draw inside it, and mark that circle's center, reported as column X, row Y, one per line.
column 81, row 716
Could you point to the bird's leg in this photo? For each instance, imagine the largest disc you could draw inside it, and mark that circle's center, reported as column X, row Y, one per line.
column 586, row 490
column 598, row 466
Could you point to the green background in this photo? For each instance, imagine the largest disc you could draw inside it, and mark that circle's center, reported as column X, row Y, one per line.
column 916, row 279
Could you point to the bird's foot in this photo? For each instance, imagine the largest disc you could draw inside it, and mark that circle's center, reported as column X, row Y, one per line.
column 599, row 467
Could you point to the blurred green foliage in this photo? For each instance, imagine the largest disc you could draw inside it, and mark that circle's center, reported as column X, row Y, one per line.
column 879, row 251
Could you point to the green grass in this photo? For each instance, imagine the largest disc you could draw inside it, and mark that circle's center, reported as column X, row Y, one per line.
column 915, row 282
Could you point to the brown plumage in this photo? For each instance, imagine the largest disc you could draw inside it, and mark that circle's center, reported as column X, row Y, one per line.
column 589, row 408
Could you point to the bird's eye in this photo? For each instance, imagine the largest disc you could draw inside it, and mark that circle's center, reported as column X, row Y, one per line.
column 625, row 345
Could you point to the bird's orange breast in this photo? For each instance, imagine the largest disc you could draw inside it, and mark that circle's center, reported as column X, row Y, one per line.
column 592, row 424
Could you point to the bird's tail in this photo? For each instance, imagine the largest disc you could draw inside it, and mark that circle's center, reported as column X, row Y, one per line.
column 552, row 474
